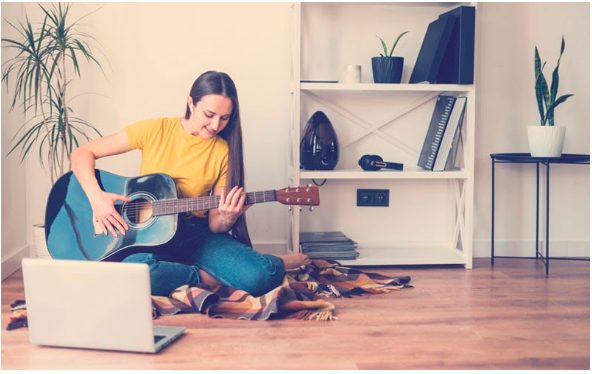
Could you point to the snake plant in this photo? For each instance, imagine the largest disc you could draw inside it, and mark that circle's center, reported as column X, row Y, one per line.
column 384, row 47
column 47, row 56
column 547, row 100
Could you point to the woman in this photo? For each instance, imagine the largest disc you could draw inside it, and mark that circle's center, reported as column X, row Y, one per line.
column 202, row 152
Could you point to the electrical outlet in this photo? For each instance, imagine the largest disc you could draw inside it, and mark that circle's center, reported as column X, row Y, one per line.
column 371, row 197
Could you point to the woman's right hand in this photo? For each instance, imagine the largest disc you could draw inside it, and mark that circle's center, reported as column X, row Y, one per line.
column 105, row 216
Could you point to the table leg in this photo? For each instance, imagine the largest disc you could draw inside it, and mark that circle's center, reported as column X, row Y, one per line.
column 492, row 209
column 547, row 222
column 536, row 242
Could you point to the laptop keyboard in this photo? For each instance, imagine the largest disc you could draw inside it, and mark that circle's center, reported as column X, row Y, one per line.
column 158, row 338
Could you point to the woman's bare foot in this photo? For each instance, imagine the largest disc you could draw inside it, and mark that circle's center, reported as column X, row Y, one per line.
column 295, row 260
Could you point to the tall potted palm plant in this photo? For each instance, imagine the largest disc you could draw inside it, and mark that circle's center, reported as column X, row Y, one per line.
column 47, row 59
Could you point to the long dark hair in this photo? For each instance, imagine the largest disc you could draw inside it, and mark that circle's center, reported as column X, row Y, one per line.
column 218, row 83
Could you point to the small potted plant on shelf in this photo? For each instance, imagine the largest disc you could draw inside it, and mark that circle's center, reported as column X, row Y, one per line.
column 387, row 68
column 546, row 139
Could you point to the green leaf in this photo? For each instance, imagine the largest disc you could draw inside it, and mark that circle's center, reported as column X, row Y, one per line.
column 555, row 80
column 28, row 148
column 27, row 136
column 395, row 43
column 540, row 85
column 74, row 61
column 542, row 94
column 384, row 48
column 560, row 100
column 562, row 46
column 555, row 84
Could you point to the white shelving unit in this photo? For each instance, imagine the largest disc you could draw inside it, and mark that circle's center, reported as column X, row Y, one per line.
column 430, row 216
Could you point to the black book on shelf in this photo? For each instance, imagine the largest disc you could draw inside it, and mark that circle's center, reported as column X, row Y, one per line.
column 450, row 133
column 432, row 50
column 436, row 129
column 457, row 64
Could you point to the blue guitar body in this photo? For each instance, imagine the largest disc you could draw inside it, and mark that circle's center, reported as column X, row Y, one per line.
column 151, row 215
column 69, row 229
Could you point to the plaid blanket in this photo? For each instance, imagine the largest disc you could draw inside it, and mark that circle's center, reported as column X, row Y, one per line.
column 302, row 295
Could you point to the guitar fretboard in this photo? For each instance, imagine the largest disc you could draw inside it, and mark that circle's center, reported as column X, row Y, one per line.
column 166, row 207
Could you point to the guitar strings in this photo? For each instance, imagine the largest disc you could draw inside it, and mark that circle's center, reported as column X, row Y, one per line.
column 206, row 202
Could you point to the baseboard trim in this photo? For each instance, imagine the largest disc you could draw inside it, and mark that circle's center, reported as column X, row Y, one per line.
column 526, row 248
column 12, row 262
column 482, row 248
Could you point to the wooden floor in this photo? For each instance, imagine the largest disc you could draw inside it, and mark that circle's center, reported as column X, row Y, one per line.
column 506, row 317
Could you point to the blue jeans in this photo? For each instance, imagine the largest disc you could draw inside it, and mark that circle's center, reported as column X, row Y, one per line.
column 195, row 247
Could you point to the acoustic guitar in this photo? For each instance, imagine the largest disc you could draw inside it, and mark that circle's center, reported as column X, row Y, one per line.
column 151, row 215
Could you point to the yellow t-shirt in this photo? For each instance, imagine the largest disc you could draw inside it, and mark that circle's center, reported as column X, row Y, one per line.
column 196, row 165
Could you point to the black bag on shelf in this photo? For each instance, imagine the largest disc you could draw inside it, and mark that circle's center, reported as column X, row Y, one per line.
column 319, row 149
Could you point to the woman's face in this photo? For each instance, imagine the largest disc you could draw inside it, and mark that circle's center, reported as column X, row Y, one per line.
column 209, row 116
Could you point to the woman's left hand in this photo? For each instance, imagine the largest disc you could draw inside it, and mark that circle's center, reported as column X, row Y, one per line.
column 232, row 205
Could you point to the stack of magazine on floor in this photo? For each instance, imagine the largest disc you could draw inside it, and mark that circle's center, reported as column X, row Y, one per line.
column 329, row 245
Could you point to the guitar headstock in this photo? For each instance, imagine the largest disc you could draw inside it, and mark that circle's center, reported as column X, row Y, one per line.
column 303, row 195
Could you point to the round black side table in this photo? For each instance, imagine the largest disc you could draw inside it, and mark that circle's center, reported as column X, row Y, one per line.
column 526, row 158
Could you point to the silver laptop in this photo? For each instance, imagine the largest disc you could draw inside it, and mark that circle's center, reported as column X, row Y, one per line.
column 98, row 305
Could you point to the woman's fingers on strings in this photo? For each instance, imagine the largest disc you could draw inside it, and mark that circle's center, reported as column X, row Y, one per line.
column 111, row 225
column 227, row 204
column 117, row 224
column 103, row 226
column 121, row 222
column 231, row 194
column 241, row 202
column 238, row 196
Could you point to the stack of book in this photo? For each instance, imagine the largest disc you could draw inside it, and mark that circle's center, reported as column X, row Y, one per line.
column 444, row 134
column 329, row 245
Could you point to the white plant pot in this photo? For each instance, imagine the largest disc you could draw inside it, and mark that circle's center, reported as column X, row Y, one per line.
column 40, row 244
column 546, row 141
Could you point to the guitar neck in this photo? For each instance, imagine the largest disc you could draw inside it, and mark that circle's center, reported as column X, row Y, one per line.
column 166, row 207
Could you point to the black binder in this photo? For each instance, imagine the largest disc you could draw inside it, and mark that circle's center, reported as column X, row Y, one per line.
column 433, row 48
column 457, row 64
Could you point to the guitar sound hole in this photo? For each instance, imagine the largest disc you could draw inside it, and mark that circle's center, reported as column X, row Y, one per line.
column 138, row 211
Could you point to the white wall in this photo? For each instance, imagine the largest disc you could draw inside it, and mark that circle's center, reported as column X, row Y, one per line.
column 14, row 226
column 155, row 51
column 506, row 105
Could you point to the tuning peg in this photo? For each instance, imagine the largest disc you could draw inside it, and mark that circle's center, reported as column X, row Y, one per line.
column 309, row 185
column 289, row 208
column 300, row 208
column 311, row 208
